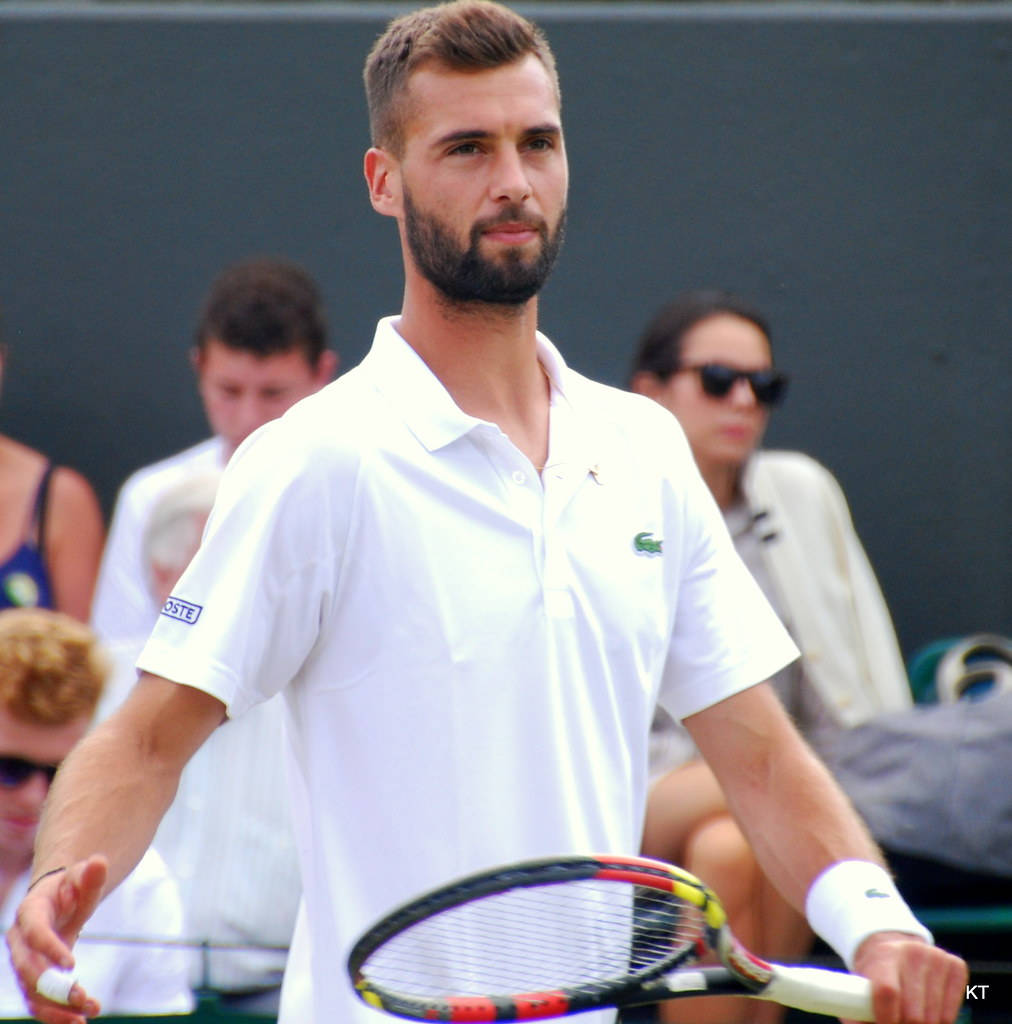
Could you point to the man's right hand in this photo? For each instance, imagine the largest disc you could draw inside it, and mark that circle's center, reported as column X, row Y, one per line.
column 45, row 929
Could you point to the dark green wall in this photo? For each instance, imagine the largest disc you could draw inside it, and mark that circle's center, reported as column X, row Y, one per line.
column 845, row 166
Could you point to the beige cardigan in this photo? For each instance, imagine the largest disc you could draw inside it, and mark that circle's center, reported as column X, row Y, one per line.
column 827, row 587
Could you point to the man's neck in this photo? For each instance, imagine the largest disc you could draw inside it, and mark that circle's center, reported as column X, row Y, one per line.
column 486, row 357
column 724, row 481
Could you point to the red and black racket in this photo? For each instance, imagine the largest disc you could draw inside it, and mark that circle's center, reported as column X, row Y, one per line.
column 548, row 938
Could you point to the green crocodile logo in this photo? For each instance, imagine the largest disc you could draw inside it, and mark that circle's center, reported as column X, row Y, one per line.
column 644, row 544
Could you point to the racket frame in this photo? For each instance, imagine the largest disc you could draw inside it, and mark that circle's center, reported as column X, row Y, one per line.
column 743, row 973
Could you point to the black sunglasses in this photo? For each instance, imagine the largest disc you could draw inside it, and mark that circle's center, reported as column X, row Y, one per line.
column 768, row 386
column 16, row 771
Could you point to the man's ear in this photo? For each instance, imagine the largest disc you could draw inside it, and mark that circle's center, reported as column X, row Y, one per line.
column 326, row 368
column 382, row 175
column 645, row 383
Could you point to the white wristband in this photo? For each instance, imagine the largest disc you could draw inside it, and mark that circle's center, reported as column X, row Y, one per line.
column 853, row 899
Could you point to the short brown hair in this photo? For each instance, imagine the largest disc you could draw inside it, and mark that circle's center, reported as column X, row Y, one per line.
column 52, row 670
column 264, row 306
column 463, row 35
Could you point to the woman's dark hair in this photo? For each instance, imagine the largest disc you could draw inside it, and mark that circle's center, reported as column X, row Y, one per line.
column 660, row 348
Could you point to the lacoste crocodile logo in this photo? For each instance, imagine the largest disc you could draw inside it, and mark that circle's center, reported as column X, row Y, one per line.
column 644, row 544
column 876, row 894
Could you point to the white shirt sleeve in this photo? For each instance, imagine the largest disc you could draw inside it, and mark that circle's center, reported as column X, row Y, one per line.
column 246, row 613
column 726, row 636
column 123, row 607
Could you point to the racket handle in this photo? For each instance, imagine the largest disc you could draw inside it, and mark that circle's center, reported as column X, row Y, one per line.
column 816, row 990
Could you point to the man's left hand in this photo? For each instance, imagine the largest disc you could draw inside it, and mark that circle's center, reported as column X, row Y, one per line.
column 912, row 981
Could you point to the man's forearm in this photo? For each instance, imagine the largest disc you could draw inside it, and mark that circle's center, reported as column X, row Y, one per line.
column 112, row 791
column 107, row 798
column 794, row 814
column 807, row 837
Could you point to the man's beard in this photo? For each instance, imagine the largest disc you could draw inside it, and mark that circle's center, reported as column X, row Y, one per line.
column 464, row 275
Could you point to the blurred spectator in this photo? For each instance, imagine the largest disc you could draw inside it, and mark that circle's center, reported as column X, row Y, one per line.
column 707, row 357
column 51, row 531
column 261, row 345
column 51, row 675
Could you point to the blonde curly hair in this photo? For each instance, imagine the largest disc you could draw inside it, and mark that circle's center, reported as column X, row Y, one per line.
column 52, row 669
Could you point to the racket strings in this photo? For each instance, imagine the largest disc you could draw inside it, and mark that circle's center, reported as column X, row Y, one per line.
column 565, row 936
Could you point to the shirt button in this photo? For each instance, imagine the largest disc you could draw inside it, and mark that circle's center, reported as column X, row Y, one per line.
column 519, row 477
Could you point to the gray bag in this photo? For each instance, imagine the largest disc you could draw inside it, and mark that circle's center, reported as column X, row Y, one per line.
column 936, row 780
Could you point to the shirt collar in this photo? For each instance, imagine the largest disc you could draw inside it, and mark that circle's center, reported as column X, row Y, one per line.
column 420, row 398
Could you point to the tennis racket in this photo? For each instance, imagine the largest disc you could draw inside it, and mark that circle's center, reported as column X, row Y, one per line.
column 548, row 938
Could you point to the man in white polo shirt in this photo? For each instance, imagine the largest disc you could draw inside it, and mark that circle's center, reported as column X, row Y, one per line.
column 472, row 573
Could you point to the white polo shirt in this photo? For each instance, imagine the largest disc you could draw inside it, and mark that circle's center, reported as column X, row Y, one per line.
column 470, row 653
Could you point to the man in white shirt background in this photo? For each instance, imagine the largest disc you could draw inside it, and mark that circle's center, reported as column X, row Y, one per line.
column 260, row 346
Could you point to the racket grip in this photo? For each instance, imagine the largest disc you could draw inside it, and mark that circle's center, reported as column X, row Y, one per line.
column 817, row 990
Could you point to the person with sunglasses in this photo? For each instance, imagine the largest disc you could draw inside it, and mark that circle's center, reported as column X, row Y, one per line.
column 52, row 674
column 707, row 358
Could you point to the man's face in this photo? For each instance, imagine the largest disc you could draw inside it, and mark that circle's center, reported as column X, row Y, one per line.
column 21, row 805
column 484, row 178
column 465, row 273
column 242, row 391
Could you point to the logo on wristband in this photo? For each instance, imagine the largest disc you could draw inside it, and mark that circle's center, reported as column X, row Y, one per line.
column 876, row 894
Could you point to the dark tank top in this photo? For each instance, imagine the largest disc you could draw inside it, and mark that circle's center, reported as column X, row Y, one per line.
column 24, row 579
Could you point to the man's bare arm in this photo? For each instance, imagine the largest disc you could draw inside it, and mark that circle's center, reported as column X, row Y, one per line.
column 100, row 817
column 800, row 823
column 791, row 809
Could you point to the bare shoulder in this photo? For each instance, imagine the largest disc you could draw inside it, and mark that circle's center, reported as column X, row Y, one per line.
column 19, row 455
column 71, row 492
column 21, row 469
column 75, row 534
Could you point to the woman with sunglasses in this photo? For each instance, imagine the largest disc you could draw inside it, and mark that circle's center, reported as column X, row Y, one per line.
column 707, row 358
column 51, row 531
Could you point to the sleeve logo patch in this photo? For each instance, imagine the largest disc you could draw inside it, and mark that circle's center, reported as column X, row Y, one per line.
column 174, row 608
